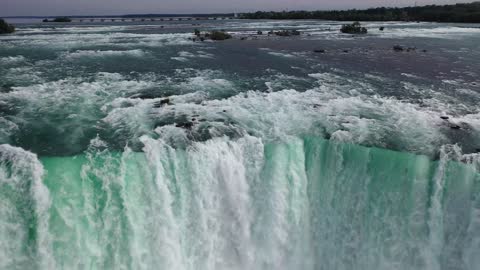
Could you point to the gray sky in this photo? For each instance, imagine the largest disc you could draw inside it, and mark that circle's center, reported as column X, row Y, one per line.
column 119, row 7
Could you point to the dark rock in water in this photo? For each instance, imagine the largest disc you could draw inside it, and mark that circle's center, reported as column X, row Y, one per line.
column 456, row 127
column 424, row 50
column 161, row 103
column 243, row 38
column 259, row 33
column 319, row 51
column 202, row 39
column 398, row 48
column 185, row 125
column 381, row 28
column 354, row 28
column 144, row 96
column 165, row 101
column 219, row 35
column 346, row 51
column 6, row 28
column 444, row 117
column 6, row 88
column 196, row 32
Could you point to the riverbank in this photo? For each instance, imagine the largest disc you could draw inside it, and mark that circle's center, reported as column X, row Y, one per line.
column 460, row 13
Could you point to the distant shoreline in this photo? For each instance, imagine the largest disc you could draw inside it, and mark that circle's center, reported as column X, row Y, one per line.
column 456, row 13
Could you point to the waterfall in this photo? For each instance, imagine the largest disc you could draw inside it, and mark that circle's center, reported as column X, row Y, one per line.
column 301, row 203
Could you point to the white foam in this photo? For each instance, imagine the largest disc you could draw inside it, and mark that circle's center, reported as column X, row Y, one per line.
column 428, row 31
column 23, row 173
column 181, row 59
column 24, row 74
column 184, row 56
column 88, row 40
column 412, row 76
column 9, row 60
column 287, row 55
column 78, row 99
column 107, row 53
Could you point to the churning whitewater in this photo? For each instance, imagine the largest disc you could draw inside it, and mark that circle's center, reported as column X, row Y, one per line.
column 130, row 146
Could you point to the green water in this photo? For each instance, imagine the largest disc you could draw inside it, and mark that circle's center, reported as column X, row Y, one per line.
column 305, row 204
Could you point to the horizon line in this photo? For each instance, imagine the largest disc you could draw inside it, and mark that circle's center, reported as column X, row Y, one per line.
column 179, row 14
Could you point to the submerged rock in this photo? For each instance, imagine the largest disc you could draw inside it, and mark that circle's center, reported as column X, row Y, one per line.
column 319, row 51
column 398, row 48
column 455, row 127
column 144, row 95
column 461, row 125
column 287, row 33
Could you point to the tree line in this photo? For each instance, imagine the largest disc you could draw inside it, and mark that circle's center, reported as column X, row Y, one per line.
column 465, row 13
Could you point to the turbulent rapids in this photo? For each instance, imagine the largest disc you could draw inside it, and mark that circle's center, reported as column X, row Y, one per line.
column 129, row 146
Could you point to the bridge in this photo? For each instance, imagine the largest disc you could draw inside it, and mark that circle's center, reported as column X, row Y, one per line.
column 143, row 19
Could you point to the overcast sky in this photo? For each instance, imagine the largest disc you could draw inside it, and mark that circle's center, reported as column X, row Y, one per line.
column 119, row 7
